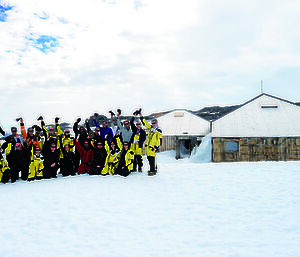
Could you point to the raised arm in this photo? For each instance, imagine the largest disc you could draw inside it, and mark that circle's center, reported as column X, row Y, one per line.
column 58, row 129
column 95, row 121
column 2, row 131
column 75, row 127
column 133, row 127
column 23, row 131
column 88, row 128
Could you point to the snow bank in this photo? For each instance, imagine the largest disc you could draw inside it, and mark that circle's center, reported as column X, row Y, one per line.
column 188, row 209
column 204, row 151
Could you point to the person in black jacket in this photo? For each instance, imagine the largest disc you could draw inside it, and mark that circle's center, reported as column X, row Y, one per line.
column 18, row 160
column 51, row 159
column 138, row 138
column 67, row 162
column 13, row 138
column 98, row 159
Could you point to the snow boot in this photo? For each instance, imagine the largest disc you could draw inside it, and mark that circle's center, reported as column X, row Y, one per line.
column 152, row 173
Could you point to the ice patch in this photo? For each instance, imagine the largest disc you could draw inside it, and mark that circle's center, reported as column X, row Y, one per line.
column 203, row 153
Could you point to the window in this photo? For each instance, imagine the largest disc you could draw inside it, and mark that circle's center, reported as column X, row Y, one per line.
column 269, row 106
column 178, row 114
column 231, row 146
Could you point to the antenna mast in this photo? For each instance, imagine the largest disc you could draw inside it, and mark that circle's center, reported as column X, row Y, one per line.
column 262, row 86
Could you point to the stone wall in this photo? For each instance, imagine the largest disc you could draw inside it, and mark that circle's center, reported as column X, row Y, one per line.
column 256, row 149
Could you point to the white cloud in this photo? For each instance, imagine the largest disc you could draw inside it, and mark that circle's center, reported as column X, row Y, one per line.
column 158, row 55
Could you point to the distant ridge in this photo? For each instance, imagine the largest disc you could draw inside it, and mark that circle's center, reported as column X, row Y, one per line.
column 214, row 112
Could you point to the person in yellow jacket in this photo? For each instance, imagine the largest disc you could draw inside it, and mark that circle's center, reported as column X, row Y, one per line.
column 49, row 135
column 125, row 165
column 4, row 168
column 113, row 157
column 65, row 137
column 153, row 142
column 36, row 166
column 138, row 138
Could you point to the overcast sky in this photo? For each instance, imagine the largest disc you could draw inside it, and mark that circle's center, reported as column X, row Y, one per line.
column 71, row 58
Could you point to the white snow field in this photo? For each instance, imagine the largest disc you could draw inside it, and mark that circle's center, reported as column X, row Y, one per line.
column 188, row 209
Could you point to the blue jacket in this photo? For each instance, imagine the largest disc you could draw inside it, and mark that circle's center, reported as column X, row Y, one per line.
column 105, row 131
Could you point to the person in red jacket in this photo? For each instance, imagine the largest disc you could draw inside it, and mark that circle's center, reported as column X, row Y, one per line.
column 86, row 156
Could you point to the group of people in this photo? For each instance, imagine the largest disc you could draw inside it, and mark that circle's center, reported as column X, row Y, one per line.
column 40, row 153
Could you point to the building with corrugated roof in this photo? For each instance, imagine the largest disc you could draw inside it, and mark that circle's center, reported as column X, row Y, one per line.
column 182, row 130
column 264, row 128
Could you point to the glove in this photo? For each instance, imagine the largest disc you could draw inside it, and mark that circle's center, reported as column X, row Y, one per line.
column 56, row 120
column 111, row 113
column 135, row 113
column 78, row 120
column 139, row 111
column 40, row 118
column 18, row 119
column 119, row 111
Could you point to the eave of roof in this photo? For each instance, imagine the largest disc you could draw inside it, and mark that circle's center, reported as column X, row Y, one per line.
column 253, row 99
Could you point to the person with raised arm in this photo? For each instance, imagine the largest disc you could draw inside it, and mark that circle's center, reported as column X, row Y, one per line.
column 126, row 131
column 138, row 138
column 112, row 159
column 86, row 156
column 81, row 134
column 36, row 166
column 67, row 158
column 105, row 131
column 153, row 142
column 125, row 164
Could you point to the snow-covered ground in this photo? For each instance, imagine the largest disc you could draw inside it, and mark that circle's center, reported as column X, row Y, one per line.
column 188, row 209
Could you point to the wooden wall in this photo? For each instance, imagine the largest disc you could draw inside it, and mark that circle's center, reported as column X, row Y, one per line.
column 168, row 143
column 257, row 149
